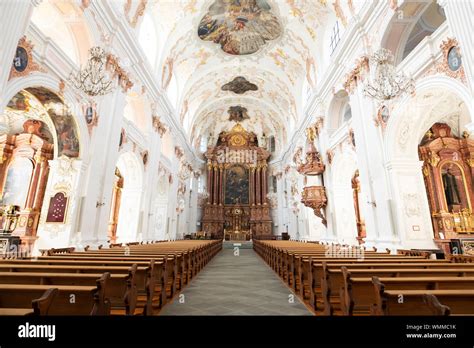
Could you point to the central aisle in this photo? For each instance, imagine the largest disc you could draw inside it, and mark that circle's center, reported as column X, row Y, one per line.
column 236, row 285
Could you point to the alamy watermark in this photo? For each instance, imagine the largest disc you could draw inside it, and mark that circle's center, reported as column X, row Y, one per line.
column 334, row 251
column 237, row 156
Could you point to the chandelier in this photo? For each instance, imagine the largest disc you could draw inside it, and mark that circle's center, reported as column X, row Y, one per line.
column 93, row 79
column 385, row 83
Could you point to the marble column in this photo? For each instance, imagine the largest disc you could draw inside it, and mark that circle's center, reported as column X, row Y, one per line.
column 264, row 184
column 258, row 190
column 209, row 182
column 216, row 183
column 221, row 184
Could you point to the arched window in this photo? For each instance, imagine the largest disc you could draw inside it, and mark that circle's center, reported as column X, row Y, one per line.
column 271, row 144
column 203, row 144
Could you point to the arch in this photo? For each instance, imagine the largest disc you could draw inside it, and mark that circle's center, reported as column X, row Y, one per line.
column 402, row 132
column 67, row 27
column 336, row 111
column 437, row 98
column 52, row 84
column 131, row 169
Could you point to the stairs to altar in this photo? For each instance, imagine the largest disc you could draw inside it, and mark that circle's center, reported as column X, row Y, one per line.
column 237, row 243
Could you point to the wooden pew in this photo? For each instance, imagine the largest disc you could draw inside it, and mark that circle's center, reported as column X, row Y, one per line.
column 311, row 281
column 332, row 282
column 142, row 274
column 120, row 289
column 435, row 306
column 70, row 300
column 156, row 267
column 40, row 306
column 320, row 279
column 412, row 302
column 358, row 297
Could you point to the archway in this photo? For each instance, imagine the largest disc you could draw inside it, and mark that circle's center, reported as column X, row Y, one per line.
column 129, row 215
column 438, row 100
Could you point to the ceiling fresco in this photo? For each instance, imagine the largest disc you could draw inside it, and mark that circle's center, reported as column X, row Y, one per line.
column 262, row 55
column 239, row 85
column 238, row 113
column 240, row 26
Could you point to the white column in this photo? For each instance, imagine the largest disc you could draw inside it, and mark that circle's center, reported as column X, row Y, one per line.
column 329, row 234
column 377, row 210
column 150, row 186
column 14, row 19
column 101, row 171
column 173, row 201
column 193, row 207
column 459, row 14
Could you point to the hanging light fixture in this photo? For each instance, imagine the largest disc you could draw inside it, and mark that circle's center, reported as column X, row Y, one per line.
column 93, row 78
column 385, row 83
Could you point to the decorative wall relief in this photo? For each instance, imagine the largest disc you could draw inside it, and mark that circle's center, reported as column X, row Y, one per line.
column 412, row 204
column 159, row 126
column 138, row 12
column 144, row 156
column 23, row 62
column 240, row 27
column 179, row 152
column 356, row 75
column 90, row 115
column 239, row 85
column 450, row 63
column 383, row 114
column 404, row 134
column 117, row 71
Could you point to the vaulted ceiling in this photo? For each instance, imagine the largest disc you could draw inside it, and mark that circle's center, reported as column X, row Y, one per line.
column 206, row 44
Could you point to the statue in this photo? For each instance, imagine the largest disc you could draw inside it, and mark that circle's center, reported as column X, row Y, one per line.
column 263, row 140
column 451, row 189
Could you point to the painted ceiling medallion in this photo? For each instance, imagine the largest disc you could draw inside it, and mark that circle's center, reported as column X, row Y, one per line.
column 240, row 26
column 238, row 113
column 239, row 85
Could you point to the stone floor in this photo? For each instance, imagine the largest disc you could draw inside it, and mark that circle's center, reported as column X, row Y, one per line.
column 236, row 285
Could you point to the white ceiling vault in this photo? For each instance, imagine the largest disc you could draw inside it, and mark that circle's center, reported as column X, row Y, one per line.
column 192, row 69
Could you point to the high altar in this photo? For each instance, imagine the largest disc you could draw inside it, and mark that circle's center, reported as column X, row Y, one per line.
column 237, row 207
